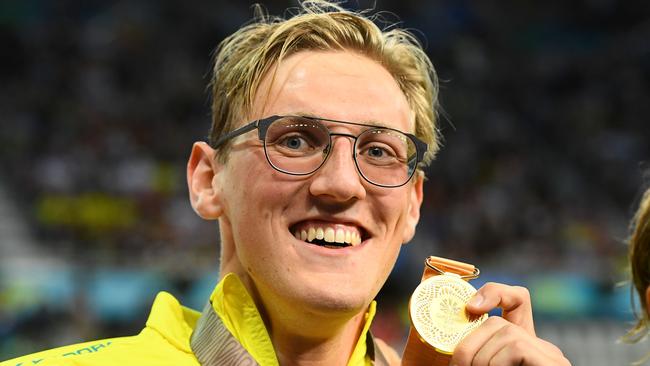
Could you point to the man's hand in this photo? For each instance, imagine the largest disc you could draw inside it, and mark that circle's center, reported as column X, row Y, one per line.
column 506, row 340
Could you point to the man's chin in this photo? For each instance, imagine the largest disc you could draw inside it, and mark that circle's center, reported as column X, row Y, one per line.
column 337, row 303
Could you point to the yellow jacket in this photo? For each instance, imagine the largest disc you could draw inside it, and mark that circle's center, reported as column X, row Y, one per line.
column 166, row 338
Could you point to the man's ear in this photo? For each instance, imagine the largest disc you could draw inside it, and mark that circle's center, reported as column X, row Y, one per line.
column 415, row 201
column 202, row 169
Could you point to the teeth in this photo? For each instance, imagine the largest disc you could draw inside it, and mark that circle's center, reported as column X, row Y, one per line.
column 311, row 234
column 340, row 236
column 329, row 235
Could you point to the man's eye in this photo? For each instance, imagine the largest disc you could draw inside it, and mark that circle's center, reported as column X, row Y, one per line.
column 376, row 152
column 294, row 142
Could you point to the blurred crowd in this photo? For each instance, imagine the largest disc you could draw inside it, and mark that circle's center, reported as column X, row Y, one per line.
column 545, row 129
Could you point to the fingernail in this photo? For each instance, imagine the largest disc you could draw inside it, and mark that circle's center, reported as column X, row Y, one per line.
column 476, row 301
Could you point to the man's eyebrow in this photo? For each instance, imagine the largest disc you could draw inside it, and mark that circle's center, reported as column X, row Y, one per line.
column 369, row 123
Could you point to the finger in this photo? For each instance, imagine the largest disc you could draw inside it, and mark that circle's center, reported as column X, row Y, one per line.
column 520, row 352
column 499, row 342
column 509, row 339
column 517, row 353
column 513, row 300
column 513, row 341
column 467, row 349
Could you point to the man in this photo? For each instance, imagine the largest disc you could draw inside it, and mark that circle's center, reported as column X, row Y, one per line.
column 320, row 125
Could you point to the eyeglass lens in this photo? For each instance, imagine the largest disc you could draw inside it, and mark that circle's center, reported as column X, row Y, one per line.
column 298, row 145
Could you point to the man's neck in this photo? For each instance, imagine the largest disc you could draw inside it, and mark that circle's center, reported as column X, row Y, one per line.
column 302, row 336
column 321, row 346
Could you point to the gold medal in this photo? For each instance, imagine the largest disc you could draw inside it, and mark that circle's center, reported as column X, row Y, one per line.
column 437, row 311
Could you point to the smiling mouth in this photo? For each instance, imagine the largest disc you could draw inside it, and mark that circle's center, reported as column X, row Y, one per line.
column 328, row 236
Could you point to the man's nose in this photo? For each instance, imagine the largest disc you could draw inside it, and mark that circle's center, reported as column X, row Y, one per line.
column 338, row 179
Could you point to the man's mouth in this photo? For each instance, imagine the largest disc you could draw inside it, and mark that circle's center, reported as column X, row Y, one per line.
column 327, row 235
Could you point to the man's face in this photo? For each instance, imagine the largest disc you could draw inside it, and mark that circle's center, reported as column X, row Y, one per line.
column 263, row 209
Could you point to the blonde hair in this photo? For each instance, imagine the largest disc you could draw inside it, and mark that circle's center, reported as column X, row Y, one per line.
column 243, row 58
column 639, row 257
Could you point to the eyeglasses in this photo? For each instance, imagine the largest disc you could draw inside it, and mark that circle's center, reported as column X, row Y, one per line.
column 300, row 145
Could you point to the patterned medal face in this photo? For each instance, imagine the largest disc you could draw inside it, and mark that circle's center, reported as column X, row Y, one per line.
column 437, row 310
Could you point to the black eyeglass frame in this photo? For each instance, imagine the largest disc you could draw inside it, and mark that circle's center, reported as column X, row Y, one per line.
column 263, row 124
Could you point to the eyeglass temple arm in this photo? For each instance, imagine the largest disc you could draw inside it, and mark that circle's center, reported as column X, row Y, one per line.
column 421, row 149
column 240, row 131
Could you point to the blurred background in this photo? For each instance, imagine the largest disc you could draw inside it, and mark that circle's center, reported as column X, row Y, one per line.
column 546, row 148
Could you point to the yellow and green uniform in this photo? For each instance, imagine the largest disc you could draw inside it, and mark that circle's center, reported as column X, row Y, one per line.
column 167, row 338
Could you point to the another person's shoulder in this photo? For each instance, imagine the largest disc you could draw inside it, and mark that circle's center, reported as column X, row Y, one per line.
column 164, row 341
